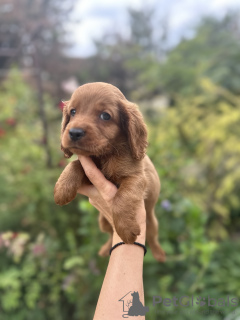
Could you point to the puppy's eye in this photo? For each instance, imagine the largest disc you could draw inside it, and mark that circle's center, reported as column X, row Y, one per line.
column 73, row 112
column 105, row 116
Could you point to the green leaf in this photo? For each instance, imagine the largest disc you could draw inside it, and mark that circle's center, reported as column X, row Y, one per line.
column 72, row 262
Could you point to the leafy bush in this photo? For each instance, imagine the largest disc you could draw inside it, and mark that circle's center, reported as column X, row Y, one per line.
column 49, row 263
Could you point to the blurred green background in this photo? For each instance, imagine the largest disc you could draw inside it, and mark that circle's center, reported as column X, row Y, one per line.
column 189, row 94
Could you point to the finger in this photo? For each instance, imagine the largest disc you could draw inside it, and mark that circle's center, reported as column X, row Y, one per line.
column 95, row 175
column 87, row 190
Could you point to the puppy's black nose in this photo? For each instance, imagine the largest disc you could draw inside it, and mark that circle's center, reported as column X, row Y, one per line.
column 76, row 133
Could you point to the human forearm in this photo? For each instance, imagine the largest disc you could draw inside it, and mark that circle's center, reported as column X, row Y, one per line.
column 124, row 274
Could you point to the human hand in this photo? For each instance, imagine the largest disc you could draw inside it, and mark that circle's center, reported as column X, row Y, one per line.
column 101, row 195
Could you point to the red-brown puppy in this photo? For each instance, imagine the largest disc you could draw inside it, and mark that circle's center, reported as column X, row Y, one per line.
column 100, row 122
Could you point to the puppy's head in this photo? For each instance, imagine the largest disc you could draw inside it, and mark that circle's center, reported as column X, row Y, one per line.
column 97, row 119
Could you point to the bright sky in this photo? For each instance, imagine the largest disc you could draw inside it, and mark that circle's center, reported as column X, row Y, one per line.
column 100, row 17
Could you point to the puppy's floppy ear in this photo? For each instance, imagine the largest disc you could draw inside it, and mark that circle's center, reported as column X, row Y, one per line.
column 133, row 125
column 65, row 120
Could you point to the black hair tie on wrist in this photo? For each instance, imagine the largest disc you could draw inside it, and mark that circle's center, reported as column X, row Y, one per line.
column 120, row 243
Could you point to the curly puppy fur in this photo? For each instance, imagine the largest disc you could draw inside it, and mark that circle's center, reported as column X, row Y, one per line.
column 117, row 146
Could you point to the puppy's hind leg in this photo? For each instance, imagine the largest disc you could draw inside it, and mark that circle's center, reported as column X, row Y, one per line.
column 152, row 233
column 105, row 226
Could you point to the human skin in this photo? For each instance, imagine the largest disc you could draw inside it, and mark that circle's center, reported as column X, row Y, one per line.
column 125, row 268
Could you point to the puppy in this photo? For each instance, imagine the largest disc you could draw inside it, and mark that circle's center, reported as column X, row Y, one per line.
column 100, row 122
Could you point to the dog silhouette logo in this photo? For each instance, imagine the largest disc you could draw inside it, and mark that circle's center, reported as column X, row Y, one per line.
column 132, row 306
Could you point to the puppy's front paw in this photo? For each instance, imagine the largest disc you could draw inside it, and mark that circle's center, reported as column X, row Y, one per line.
column 128, row 232
column 64, row 194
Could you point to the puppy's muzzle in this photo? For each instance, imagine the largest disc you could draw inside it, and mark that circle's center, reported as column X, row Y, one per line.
column 76, row 134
